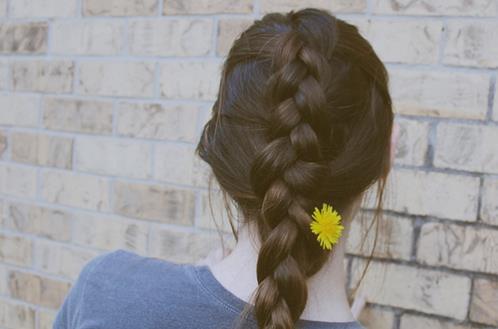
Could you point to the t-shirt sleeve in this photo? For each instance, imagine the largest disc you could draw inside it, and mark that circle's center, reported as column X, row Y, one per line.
column 67, row 315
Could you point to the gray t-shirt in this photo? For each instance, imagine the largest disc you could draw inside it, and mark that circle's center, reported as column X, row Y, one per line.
column 121, row 289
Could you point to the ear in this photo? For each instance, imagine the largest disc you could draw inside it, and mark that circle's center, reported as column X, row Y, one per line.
column 394, row 140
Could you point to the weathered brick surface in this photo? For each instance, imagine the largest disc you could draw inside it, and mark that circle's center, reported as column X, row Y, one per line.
column 119, row 7
column 172, row 37
column 427, row 291
column 87, row 37
column 102, row 105
column 206, row 7
column 77, row 115
column 54, row 76
column 37, row 289
column 467, row 147
column 440, row 93
column 462, row 247
column 485, row 302
column 472, row 44
column 23, row 37
column 116, row 78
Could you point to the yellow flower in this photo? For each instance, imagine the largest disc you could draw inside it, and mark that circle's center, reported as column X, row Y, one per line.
column 327, row 225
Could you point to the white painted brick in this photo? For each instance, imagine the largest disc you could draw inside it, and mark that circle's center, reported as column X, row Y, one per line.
column 394, row 239
column 432, row 194
column 407, row 287
column 472, row 43
column 16, row 315
column 110, row 233
column 77, row 115
column 19, row 181
column 43, row 8
column 19, row 110
column 116, row 78
column 115, row 157
column 75, row 190
column 440, row 93
column 214, row 216
column 3, row 8
column 412, row 142
column 95, row 37
column 119, row 7
column 411, row 321
column 46, row 222
column 46, row 319
column 416, row 41
column 190, row 7
column 228, row 30
column 460, row 247
column 436, row 7
column 467, row 147
column 174, row 169
column 339, row 6
column 60, row 259
column 484, row 301
column 15, row 250
column 54, row 76
column 495, row 105
column 190, row 80
column 171, row 37
column 489, row 202
column 23, row 38
column 157, row 121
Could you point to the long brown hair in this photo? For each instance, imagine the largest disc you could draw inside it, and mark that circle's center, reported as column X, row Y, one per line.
column 303, row 116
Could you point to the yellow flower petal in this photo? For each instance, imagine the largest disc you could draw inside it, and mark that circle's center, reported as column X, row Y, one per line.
column 327, row 226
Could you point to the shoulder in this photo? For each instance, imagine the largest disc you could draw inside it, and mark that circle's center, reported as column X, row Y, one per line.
column 120, row 282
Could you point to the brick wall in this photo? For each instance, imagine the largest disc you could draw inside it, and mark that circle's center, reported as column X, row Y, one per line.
column 96, row 96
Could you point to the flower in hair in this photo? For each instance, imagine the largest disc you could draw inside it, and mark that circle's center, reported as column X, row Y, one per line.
column 327, row 226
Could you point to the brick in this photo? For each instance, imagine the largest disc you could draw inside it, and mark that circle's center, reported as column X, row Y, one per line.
column 116, row 78
column 116, row 157
column 15, row 250
column 45, row 222
column 375, row 317
column 17, row 316
column 436, row 7
column 489, row 201
column 412, row 143
column 46, row 319
column 420, row 48
column 119, row 7
column 410, row 321
column 440, row 93
column 214, row 216
column 4, row 74
column 157, row 121
column 3, row 8
column 467, row 147
column 77, row 115
column 177, row 169
column 191, row 7
column 423, row 290
column 60, row 259
column 43, row 76
column 18, row 181
column 19, row 110
column 170, row 37
column 394, row 238
column 87, row 37
column 472, row 43
column 153, row 202
column 461, row 247
column 190, row 80
column 3, row 144
column 110, row 233
column 76, row 190
column 4, row 289
column 228, row 30
column 23, row 38
column 445, row 195
column 45, row 8
column 182, row 247
column 42, row 150
column 483, row 308
column 341, row 6
column 495, row 106
column 37, row 290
